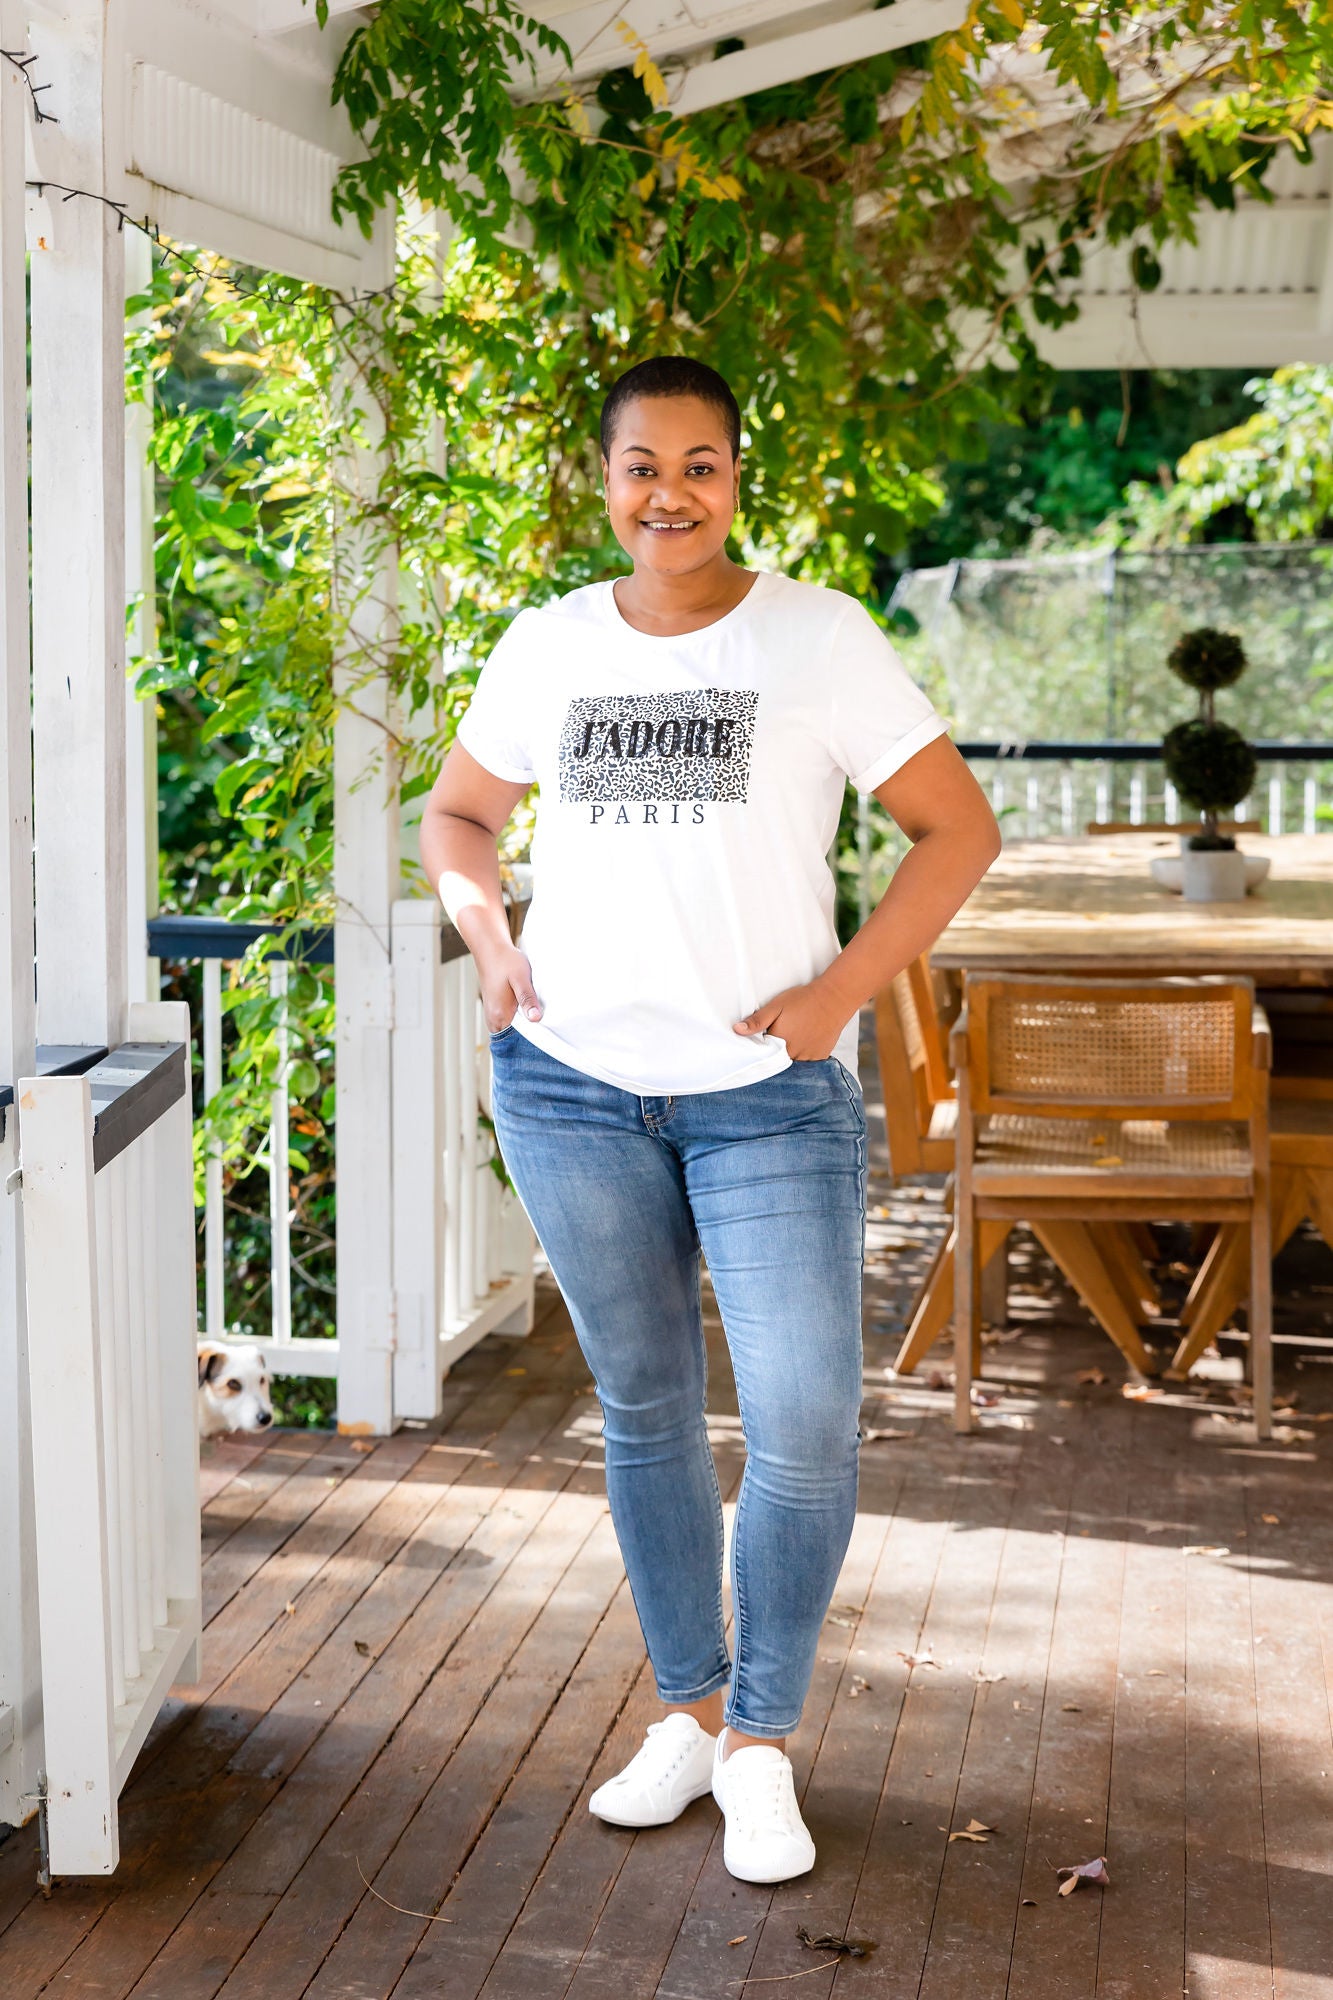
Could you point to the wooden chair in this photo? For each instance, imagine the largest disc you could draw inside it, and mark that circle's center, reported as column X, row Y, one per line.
column 1301, row 1151
column 1106, row 1267
column 1092, row 1101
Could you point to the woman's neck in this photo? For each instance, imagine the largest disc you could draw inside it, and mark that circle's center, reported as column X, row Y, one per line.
column 672, row 605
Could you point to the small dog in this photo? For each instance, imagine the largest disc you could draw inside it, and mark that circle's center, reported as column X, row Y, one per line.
column 233, row 1390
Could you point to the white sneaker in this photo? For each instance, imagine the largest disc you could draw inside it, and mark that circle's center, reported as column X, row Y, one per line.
column 766, row 1839
column 674, row 1767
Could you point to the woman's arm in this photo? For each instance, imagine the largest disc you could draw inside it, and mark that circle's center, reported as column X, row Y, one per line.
column 466, row 812
column 943, row 811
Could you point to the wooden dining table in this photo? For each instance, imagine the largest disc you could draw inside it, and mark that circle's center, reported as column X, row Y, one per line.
column 1090, row 906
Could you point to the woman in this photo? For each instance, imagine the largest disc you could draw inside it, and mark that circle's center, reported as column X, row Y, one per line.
column 674, row 1054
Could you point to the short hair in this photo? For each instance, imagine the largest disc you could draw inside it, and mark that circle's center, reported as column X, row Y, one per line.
column 671, row 375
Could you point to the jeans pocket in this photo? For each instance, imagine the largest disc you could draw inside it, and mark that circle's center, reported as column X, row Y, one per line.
column 500, row 1034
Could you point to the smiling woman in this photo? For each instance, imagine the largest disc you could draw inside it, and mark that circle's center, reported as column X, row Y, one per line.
column 674, row 1062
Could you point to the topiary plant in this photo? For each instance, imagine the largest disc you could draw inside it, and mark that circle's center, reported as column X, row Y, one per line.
column 1209, row 763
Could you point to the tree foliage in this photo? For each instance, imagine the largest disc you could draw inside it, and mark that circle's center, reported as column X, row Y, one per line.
column 1269, row 478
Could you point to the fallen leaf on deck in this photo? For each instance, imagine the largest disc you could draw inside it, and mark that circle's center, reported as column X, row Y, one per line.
column 1109, row 1160
column 1029, row 1903
column 853, row 1947
column 878, row 1437
column 1271, row 1520
column 985, row 1399
column 935, row 1380
column 918, row 1659
column 845, row 1614
column 860, row 1685
column 740, row 1940
column 1140, row 1392
column 1288, row 1434
column 1157, row 1673
column 1071, row 1708
column 987, row 1678
column 362, row 1648
column 1086, row 1871
column 1099, row 1140
column 1204, row 1549
column 974, row 1830
column 1094, row 1375
column 289, row 1608
column 362, row 1444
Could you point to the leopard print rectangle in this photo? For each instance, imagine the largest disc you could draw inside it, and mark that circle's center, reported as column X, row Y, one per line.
column 689, row 744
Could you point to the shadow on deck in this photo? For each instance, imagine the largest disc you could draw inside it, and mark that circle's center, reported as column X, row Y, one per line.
column 422, row 1655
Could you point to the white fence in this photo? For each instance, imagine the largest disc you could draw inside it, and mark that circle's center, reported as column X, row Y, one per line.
column 1035, row 797
column 108, row 1232
column 462, row 1244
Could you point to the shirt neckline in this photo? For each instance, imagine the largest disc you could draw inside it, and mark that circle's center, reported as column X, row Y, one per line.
column 761, row 577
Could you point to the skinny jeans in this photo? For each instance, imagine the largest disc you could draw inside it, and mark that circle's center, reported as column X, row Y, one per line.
column 768, row 1183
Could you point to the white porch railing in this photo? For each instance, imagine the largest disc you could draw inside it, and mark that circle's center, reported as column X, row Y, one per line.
column 108, row 1231
column 463, row 1248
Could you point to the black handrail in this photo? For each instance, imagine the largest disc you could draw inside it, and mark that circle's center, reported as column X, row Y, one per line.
column 131, row 1089
column 178, row 938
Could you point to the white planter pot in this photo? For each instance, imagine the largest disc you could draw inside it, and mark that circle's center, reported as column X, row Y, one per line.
column 1213, row 875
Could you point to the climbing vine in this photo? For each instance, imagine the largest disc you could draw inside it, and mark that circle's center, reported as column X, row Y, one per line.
column 848, row 249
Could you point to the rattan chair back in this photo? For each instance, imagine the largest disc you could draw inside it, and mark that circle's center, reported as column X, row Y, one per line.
column 1156, row 1049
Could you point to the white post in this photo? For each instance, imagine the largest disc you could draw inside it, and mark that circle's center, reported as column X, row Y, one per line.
column 20, row 1665
column 215, row 1234
column 143, row 974
column 279, row 1173
column 366, row 874
column 418, row 1119
column 78, row 553
column 65, row 1367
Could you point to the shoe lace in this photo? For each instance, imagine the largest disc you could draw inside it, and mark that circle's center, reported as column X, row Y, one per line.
column 762, row 1798
column 651, row 1754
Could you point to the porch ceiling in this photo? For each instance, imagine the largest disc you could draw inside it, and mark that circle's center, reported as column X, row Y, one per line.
column 220, row 127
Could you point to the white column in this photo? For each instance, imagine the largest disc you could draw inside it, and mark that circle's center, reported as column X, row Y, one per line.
column 142, row 972
column 366, row 874
column 78, row 555
column 20, row 1669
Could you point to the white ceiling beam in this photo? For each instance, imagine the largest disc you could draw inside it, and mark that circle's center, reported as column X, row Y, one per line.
column 767, row 64
column 279, row 17
column 1212, row 330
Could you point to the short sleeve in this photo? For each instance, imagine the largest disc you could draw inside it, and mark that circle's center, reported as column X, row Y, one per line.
column 492, row 728
column 878, row 715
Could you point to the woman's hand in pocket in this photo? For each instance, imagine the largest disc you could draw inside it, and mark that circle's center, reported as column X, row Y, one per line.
column 806, row 1018
column 506, row 986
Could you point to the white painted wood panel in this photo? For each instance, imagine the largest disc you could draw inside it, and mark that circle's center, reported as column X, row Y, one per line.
column 112, row 1315
column 366, row 873
column 20, row 1725
column 78, row 557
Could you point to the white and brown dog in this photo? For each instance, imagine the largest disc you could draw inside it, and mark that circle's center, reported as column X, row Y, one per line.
column 233, row 1390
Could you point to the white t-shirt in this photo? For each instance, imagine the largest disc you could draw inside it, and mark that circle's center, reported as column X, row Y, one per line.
column 690, row 792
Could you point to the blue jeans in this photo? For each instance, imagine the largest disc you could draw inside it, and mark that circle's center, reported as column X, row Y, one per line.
column 769, row 1181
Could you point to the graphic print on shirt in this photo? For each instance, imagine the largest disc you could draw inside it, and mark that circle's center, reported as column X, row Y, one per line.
column 693, row 743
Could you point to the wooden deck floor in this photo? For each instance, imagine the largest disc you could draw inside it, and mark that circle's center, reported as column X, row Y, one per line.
column 421, row 1657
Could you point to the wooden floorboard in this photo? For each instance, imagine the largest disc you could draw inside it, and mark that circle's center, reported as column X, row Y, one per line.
column 421, row 1657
